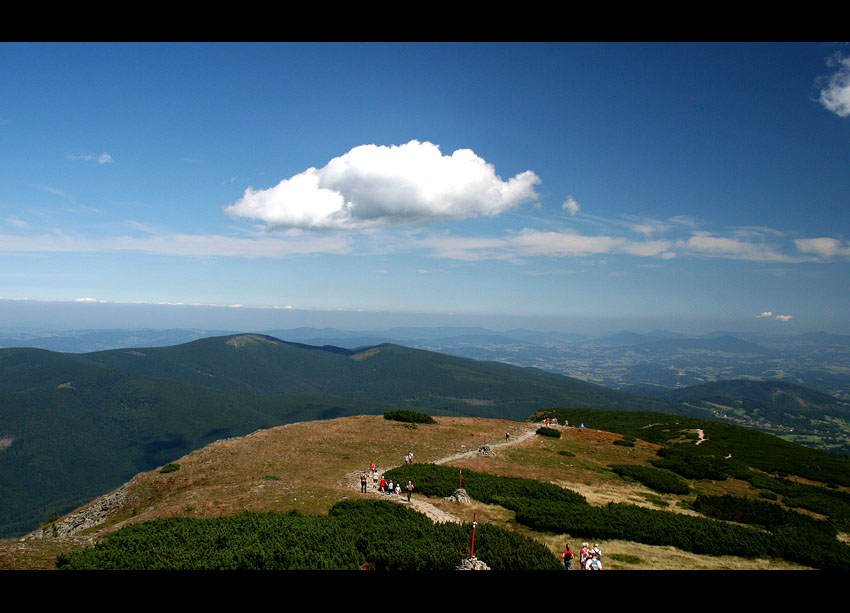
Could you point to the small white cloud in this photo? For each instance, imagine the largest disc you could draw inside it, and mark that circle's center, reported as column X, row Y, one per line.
column 703, row 243
column 103, row 158
column 770, row 315
column 835, row 96
column 374, row 186
column 88, row 300
column 823, row 247
column 571, row 206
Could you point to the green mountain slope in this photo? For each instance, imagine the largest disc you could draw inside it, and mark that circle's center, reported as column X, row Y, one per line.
column 258, row 364
column 75, row 426
column 771, row 396
column 797, row 413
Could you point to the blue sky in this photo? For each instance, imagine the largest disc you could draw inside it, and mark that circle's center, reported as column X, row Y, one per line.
column 683, row 186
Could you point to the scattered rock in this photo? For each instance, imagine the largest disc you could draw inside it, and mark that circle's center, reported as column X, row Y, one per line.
column 485, row 450
column 472, row 563
column 459, row 496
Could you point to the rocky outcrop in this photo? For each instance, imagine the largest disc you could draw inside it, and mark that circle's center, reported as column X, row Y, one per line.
column 459, row 496
column 88, row 517
column 472, row 563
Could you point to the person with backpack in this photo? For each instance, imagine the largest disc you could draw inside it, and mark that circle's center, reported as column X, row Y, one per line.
column 409, row 488
column 583, row 555
column 568, row 557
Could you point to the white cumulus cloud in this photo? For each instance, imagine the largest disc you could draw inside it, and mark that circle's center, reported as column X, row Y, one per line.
column 784, row 317
column 571, row 206
column 764, row 314
column 373, row 186
column 835, row 96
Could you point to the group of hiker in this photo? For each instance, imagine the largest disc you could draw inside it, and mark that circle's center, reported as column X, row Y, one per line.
column 547, row 421
column 588, row 558
column 382, row 485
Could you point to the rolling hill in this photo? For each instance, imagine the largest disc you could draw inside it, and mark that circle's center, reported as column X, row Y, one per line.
column 752, row 511
column 794, row 412
column 73, row 426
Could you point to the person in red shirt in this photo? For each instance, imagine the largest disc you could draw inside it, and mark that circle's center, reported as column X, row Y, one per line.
column 568, row 557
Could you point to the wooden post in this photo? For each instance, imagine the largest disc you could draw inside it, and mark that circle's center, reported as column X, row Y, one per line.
column 461, row 479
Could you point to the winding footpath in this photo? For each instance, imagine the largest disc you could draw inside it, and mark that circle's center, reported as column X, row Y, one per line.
column 436, row 515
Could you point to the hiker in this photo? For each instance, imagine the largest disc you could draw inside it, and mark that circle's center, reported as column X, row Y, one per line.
column 391, row 488
column 568, row 557
column 382, row 487
column 375, row 479
column 507, row 436
column 596, row 551
column 363, row 483
column 372, row 468
column 583, row 555
column 410, row 456
column 593, row 563
column 409, row 488
column 407, row 458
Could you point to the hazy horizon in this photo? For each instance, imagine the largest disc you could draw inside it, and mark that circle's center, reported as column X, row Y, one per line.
column 47, row 316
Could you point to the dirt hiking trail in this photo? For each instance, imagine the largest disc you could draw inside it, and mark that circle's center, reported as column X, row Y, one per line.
column 426, row 508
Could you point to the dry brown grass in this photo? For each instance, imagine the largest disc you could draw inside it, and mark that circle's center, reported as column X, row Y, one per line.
column 310, row 466
column 306, row 466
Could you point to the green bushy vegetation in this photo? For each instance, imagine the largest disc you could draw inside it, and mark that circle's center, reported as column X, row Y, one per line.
column 442, row 481
column 691, row 466
column 409, row 416
column 658, row 479
column 355, row 534
column 762, row 460
column 551, row 432
column 769, row 515
column 748, row 448
column 804, row 545
column 549, row 508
